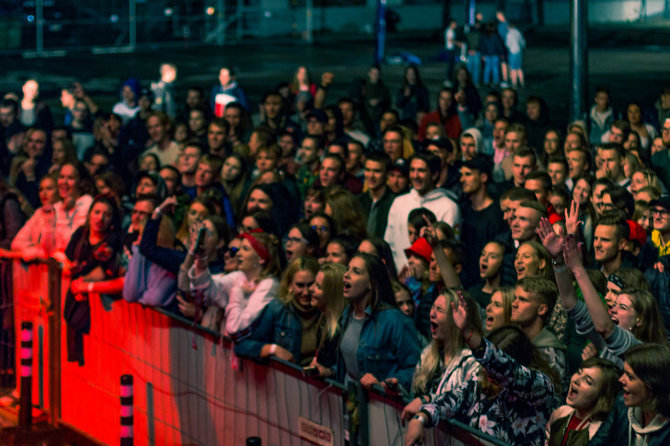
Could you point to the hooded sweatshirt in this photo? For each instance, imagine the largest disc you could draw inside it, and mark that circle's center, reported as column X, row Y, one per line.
column 437, row 200
column 638, row 435
column 477, row 136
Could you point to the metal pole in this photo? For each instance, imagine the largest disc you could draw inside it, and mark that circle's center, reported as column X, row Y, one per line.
column 239, row 12
column 132, row 24
column 26, row 374
column 380, row 29
column 578, row 58
column 126, row 397
column 39, row 26
column 470, row 11
column 220, row 20
column 309, row 21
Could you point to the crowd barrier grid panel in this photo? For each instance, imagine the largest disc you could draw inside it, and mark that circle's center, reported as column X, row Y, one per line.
column 9, row 375
column 189, row 405
column 185, row 394
column 385, row 411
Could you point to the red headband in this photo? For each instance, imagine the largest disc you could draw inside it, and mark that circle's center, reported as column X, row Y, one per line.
column 261, row 250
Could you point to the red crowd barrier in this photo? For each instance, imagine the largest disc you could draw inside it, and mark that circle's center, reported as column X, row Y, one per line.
column 188, row 387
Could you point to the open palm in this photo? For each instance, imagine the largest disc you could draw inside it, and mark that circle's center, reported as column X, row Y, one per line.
column 552, row 241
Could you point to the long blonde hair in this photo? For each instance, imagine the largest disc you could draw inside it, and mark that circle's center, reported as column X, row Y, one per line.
column 300, row 264
column 332, row 290
column 451, row 346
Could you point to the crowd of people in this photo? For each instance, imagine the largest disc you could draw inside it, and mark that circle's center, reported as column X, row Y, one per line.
column 460, row 251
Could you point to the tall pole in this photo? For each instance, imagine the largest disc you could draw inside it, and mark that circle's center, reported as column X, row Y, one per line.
column 579, row 59
column 380, row 30
column 220, row 20
column 132, row 24
column 39, row 26
column 309, row 21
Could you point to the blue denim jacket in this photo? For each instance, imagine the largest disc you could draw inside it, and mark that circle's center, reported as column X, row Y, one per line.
column 277, row 324
column 389, row 346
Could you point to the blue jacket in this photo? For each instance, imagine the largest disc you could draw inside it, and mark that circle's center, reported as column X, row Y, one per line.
column 659, row 286
column 147, row 283
column 389, row 346
column 277, row 324
column 616, row 429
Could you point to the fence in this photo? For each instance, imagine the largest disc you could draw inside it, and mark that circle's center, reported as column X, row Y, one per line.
column 189, row 387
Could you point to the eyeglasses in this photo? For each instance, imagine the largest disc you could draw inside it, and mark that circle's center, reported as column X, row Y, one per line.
column 295, row 240
column 232, row 251
column 321, row 228
column 660, row 211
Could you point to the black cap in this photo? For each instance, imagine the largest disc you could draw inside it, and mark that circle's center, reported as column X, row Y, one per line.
column 401, row 166
column 664, row 201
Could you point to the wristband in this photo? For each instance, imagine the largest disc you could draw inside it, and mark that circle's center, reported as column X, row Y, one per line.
column 421, row 419
column 90, row 287
column 557, row 261
column 273, row 349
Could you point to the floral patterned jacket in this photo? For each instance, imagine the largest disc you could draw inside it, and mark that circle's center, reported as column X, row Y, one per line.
column 517, row 415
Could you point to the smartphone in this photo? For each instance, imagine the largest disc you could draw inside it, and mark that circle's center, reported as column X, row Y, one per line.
column 199, row 240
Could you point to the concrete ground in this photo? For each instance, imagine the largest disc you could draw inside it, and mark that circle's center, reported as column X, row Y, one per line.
column 632, row 60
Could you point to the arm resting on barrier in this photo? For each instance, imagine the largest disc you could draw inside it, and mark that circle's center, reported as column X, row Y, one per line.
column 258, row 344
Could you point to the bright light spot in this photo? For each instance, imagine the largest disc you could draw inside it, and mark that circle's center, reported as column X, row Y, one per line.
column 30, row 18
column 168, row 11
column 210, row 10
column 268, row 14
column 114, row 18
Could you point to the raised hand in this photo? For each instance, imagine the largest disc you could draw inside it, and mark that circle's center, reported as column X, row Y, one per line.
column 168, row 204
column 459, row 310
column 572, row 254
column 572, row 221
column 428, row 232
column 552, row 241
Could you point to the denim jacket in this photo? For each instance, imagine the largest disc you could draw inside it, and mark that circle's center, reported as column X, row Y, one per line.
column 277, row 324
column 388, row 347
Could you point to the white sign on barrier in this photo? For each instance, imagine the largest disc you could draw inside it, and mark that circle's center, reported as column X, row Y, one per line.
column 315, row 433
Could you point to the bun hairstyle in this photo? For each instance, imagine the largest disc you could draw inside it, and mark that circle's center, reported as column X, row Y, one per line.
column 651, row 363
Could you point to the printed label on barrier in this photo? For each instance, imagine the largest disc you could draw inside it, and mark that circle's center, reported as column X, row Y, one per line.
column 315, row 433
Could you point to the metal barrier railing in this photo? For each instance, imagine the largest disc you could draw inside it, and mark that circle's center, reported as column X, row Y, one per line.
column 188, row 386
column 8, row 375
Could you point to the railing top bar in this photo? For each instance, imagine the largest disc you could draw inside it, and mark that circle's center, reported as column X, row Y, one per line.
column 287, row 367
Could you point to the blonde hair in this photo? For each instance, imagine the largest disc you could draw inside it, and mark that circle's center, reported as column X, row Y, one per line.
column 507, row 293
column 453, row 343
column 300, row 264
column 332, row 290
